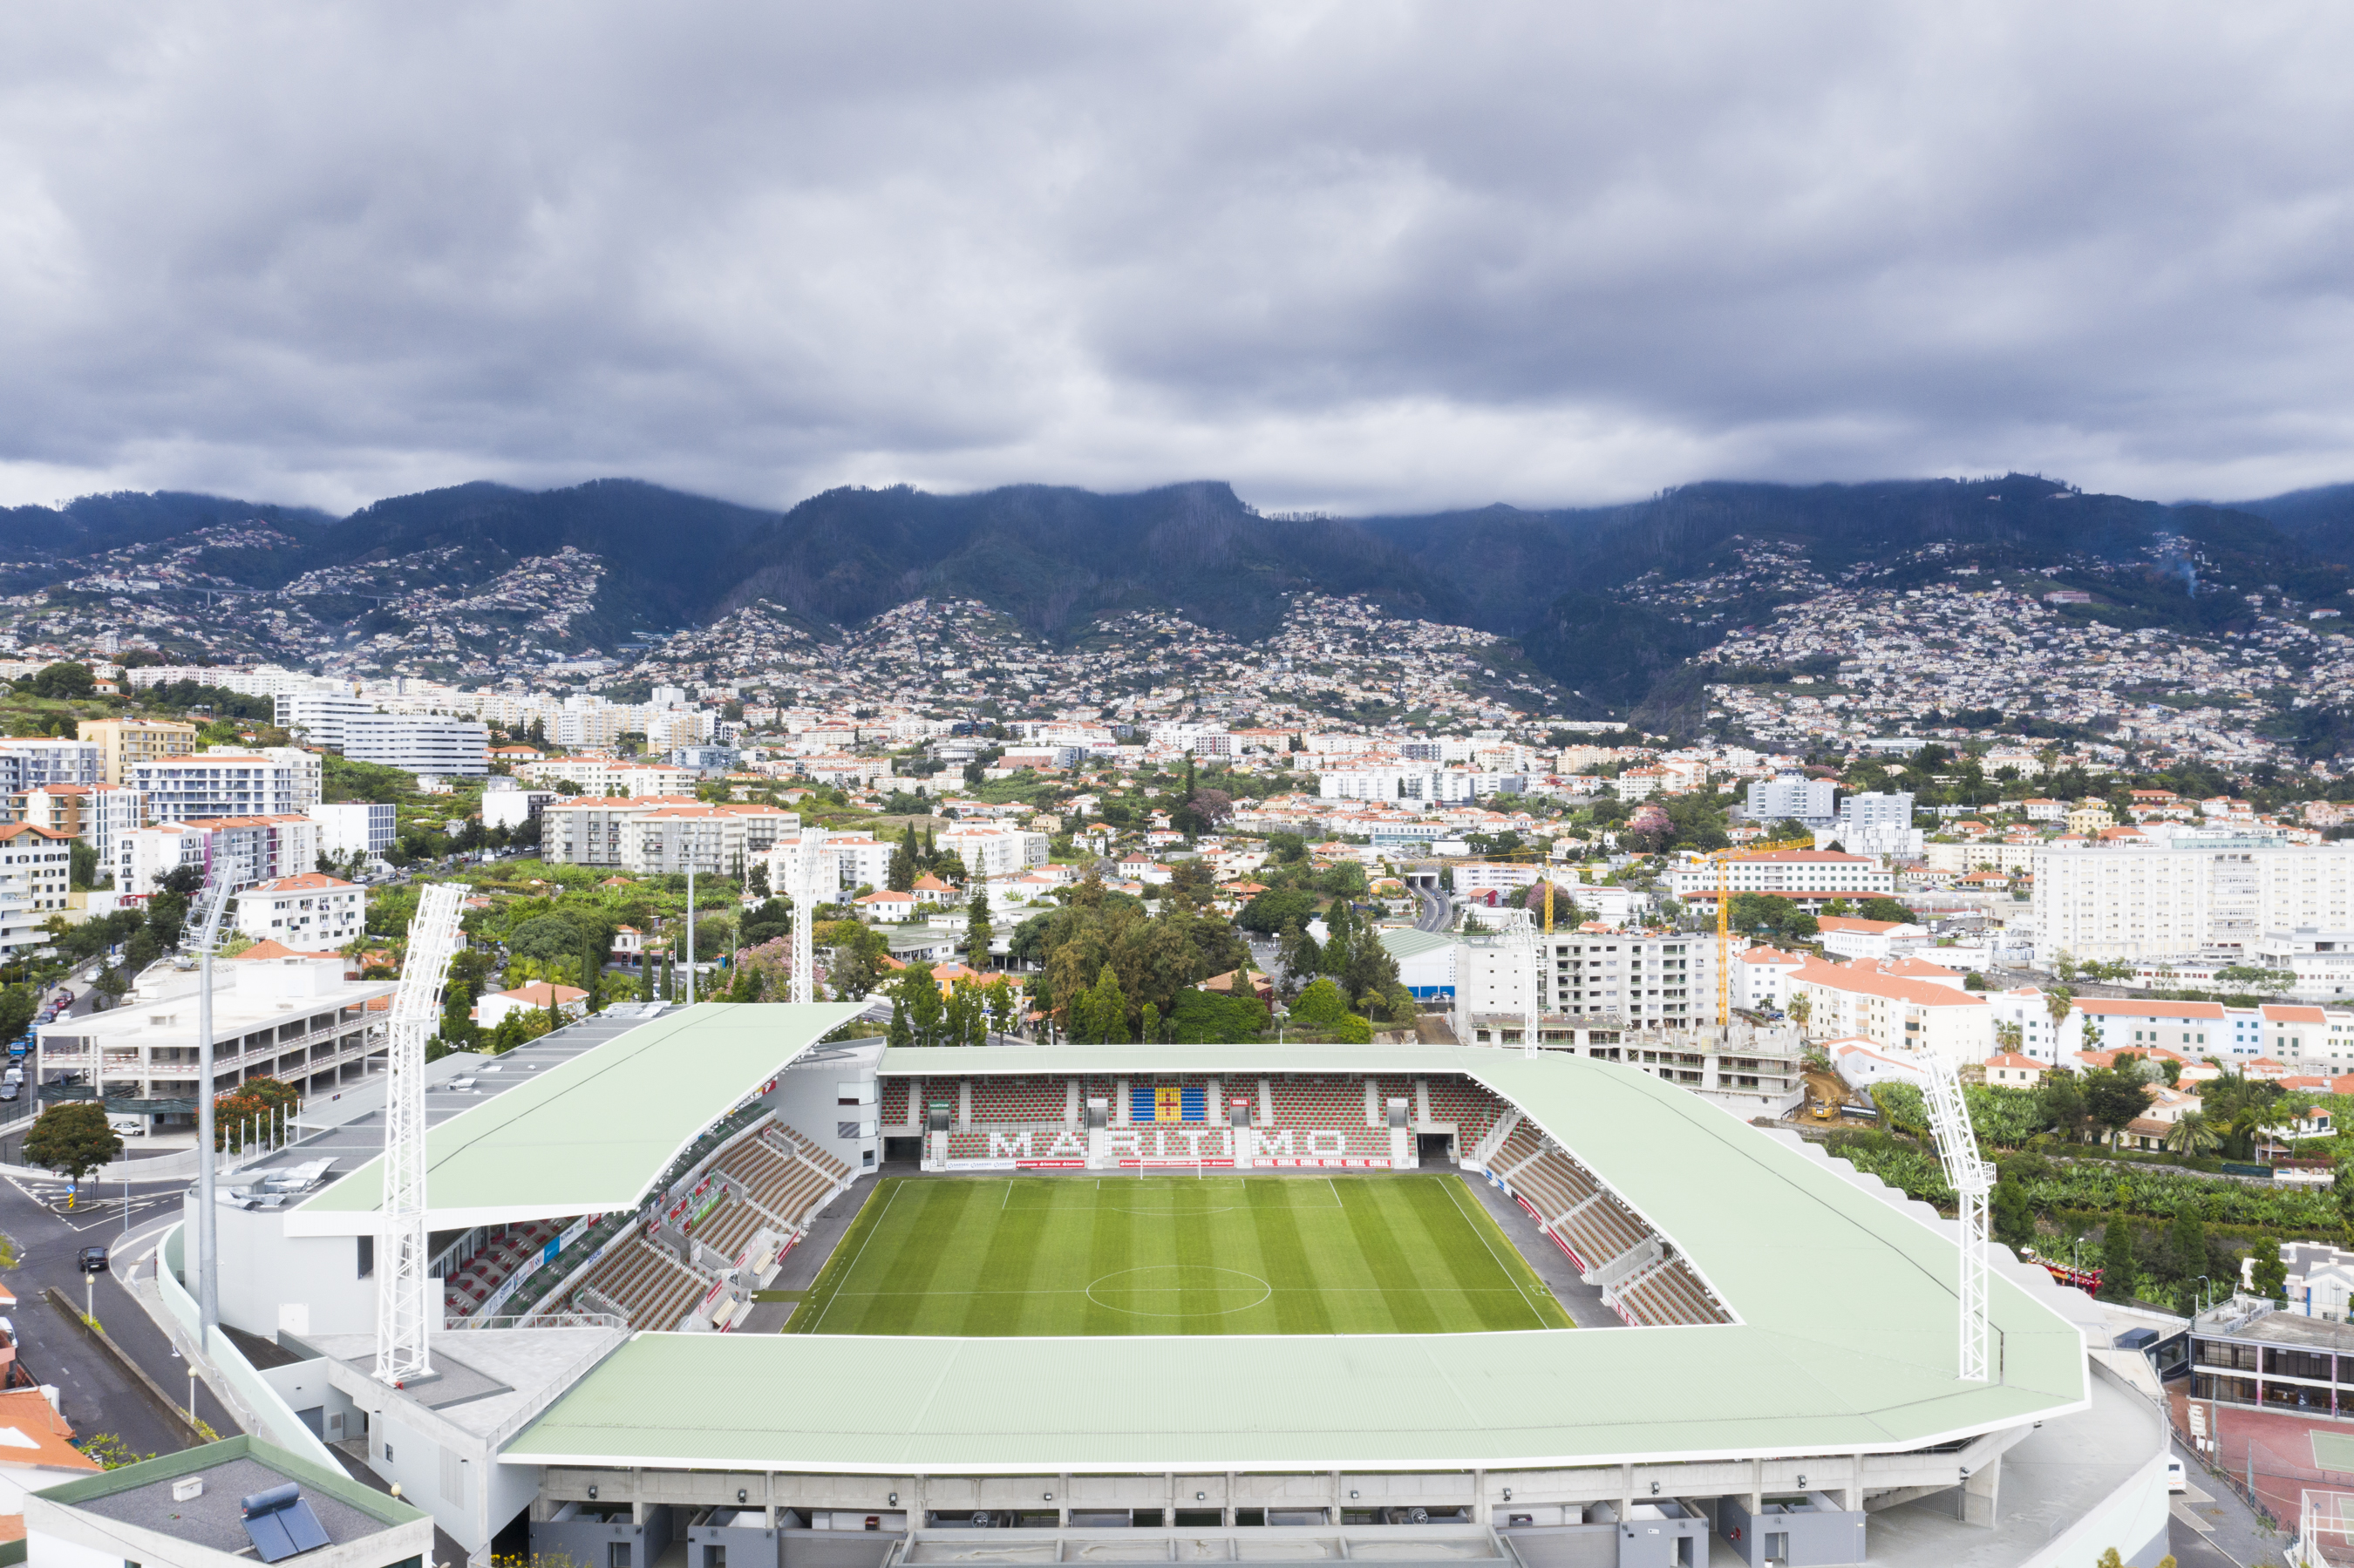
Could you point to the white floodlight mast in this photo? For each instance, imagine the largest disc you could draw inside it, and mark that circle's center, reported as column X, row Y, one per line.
column 1965, row 1172
column 809, row 859
column 216, row 897
column 403, row 1291
column 1529, row 949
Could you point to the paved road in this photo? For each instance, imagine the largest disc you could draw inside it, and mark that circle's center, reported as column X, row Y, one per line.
column 98, row 1395
column 2211, row 1528
column 1437, row 910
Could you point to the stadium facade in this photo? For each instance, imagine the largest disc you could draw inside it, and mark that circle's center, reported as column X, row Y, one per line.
column 1777, row 1384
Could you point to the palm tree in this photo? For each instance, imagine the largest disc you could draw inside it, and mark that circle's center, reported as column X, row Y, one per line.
column 1801, row 1008
column 2007, row 1036
column 2191, row 1134
column 2058, row 1002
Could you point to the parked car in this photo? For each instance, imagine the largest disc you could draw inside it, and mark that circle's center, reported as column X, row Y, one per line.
column 128, row 1125
column 10, row 1090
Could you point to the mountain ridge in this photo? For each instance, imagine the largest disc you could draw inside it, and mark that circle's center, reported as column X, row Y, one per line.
column 1609, row 600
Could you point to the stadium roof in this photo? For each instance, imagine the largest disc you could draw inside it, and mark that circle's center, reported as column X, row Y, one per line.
column 1846, row 1338
column 593, row 1134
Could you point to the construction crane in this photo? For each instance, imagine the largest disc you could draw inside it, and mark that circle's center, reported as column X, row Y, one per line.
column 1965, row 1172
column 1724, row 859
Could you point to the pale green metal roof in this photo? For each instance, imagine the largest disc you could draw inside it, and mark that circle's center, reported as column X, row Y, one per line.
column 1409, row 942
column 591, row 1135
column 1846, row 1336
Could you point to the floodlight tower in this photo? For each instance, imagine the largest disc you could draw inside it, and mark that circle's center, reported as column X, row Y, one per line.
column 809, row 856
column 1965, row 1172
column 1528, row 947
column 403, row 1292
column 216, row 897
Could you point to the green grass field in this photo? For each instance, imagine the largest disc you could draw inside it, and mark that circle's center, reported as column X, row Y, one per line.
column 1159, row 1254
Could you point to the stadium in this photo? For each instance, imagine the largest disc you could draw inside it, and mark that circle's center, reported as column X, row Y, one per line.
column 716, row 1295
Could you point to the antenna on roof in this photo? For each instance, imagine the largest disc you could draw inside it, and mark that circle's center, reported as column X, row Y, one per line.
column 1957, row 1146
column 403, row 1290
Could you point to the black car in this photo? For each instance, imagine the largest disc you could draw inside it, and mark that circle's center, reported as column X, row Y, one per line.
column 93, row 1260
column 9, row 1091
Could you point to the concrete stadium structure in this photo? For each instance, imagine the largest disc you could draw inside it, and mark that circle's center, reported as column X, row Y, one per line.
column 1777, row 1384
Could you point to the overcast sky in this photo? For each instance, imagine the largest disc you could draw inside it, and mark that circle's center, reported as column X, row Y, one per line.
column 1366, row 257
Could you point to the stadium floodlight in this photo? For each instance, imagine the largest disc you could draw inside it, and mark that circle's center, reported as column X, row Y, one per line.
column 216, row 896
column 1530, row 949
column 403, row 1290
column 1965, row 1172
column 809, row 852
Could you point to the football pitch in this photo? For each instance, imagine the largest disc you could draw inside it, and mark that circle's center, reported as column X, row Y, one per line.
column 977, row 1257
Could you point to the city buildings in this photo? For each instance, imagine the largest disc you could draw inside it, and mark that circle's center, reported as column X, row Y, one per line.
column 35, row 865
column 292, row 1016
column 280, row 781
column 1811, row 878
column 126, row 743
column 98, row 814
column 355, row 827
column 2188, row 891
column 417, row 743
column 309, row 911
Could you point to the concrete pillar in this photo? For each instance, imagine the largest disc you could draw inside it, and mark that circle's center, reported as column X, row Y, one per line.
column 1266, row 1102
column 1120, row 1102
column 1481, row 1512
column 1070, row 1102
column 964, row 1103
column 1978, row 1492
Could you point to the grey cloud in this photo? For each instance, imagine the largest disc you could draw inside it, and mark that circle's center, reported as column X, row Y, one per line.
column 1368, row 256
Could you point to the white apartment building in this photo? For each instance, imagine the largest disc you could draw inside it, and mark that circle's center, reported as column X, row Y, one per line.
column 310, row 912
column 2025, row 1006
column 2191, row 892
column 318, row 719
column 646, row 836
column 2323, row 962
column 1987, row 854
column 1628, row 979
column 995, row 853
column 1809, row 876
column 420, row 743
column 1402, row 782
column 368, row 827
column 860, row 860
column 1792, row 796
column 598, row 775
column 280, row 781
column 35, row 871
column 513, row 808
column 1761, row 977
column 98, row 814
column 1845, row 937
column 31, row 761
column 290, row 1017
column 1895, row 1008
column 246, row 849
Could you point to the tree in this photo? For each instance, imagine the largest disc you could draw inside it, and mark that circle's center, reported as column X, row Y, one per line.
column 2186, row 1242
column 65, row 680
column 2006, row 1037
column 2250, row 977
column 1148, row 1028
column 1321, row 1003
column 2062, row 1100
column 1106, row 1010
column 72, row 1140
column 919, row 994
column 2117, row 1259
column 1801, row 1008
column 977, row 930
column 2113, row 1097
column 2058, row 1002
column 2011, row 1215
column 2191, row 1134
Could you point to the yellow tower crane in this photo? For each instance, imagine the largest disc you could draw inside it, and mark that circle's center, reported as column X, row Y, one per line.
column 1724, row 859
